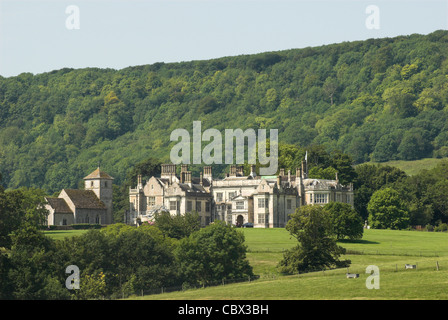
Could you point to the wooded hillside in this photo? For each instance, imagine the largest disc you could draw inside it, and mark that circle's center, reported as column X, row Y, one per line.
column 376, row 100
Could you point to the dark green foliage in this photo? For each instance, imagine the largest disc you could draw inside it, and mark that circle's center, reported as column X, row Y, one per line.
column 212, row 254
column 317, row 248
column 178, row 226
column 379, row 99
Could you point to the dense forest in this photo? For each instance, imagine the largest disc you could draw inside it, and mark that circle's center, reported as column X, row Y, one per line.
column 375, row 100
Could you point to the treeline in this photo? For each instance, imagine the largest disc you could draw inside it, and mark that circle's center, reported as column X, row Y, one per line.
column 388, row 198
column 119, row 260
column 378, row 99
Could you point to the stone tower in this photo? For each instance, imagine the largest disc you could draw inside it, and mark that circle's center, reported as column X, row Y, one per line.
column 101, row 183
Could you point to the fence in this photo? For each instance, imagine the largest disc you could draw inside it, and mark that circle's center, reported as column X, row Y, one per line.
column 162, row 290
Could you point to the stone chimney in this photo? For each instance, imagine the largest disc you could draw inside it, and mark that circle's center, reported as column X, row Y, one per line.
column 252, row 170
column 208, row 172
column 187, row 176
column 139, row 182
column 232, row 170
column 282, row 172
column 239, row 171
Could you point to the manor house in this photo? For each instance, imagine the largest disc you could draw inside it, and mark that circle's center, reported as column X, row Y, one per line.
column 265, row 201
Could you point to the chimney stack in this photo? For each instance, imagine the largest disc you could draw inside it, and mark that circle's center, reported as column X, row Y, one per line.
column 187, row 176
column 252, row 170
column 139, row 181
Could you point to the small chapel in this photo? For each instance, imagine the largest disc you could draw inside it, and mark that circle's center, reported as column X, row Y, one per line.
column 93, row 205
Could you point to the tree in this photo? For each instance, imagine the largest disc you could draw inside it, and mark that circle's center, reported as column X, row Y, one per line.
column 317, row 248
column 387, row 210
column 330, row 87
column 212, row 254
column 33, row 273
column 345, row 221
column 179, row 226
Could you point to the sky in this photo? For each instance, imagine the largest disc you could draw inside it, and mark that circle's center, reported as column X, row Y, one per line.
column 43, row 35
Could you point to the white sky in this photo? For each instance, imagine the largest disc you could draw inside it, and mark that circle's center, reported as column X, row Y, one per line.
column 117, row 34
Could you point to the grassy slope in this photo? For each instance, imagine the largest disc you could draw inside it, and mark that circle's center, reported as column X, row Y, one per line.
column 391, row 251
column 411, row 167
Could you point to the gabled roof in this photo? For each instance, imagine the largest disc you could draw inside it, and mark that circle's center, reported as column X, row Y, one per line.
column 84, row 199
column 59, row 205
column 98, row 174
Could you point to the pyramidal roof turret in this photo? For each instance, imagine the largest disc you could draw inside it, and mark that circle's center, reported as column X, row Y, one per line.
column 98, row 174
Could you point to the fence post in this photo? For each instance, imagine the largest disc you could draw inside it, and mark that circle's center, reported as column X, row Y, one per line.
column 437, row 264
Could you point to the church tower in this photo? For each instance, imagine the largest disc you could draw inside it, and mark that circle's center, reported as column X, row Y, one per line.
column 101, row 183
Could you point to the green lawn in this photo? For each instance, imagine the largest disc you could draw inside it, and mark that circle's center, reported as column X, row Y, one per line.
column 388, row 250
column 60, row 234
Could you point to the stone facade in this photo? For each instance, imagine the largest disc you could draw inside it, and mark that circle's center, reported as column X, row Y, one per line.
column 92, row 205
column 264, row 201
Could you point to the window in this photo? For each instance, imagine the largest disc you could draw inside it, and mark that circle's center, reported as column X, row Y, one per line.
column 173, row 205
column 189, row 206
column 288, row 204
column 348, row 199
column 219, row 196
column 263, row 202
column 229, row 219
column 207, row 221
column 240, row 205
column 91, row 183
column 97, row 219
column 321, row 198
column 231, row 195
column 198, row 206
column 207, row 206
column 151, row 201
column 105, row 184
column 262, row 218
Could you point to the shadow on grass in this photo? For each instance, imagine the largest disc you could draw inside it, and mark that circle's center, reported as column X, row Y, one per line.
column 358, row 241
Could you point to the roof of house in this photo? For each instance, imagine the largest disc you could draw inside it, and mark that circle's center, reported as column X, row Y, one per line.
column 84, row 199
column 59, row 205
column 98, row 174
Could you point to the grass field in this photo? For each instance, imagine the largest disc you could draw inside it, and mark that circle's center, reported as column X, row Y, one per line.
column 412, row 167
column 389, row 250
column 60, row 234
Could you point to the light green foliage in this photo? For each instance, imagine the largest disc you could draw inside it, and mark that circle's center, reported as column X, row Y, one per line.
column 387, row 210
